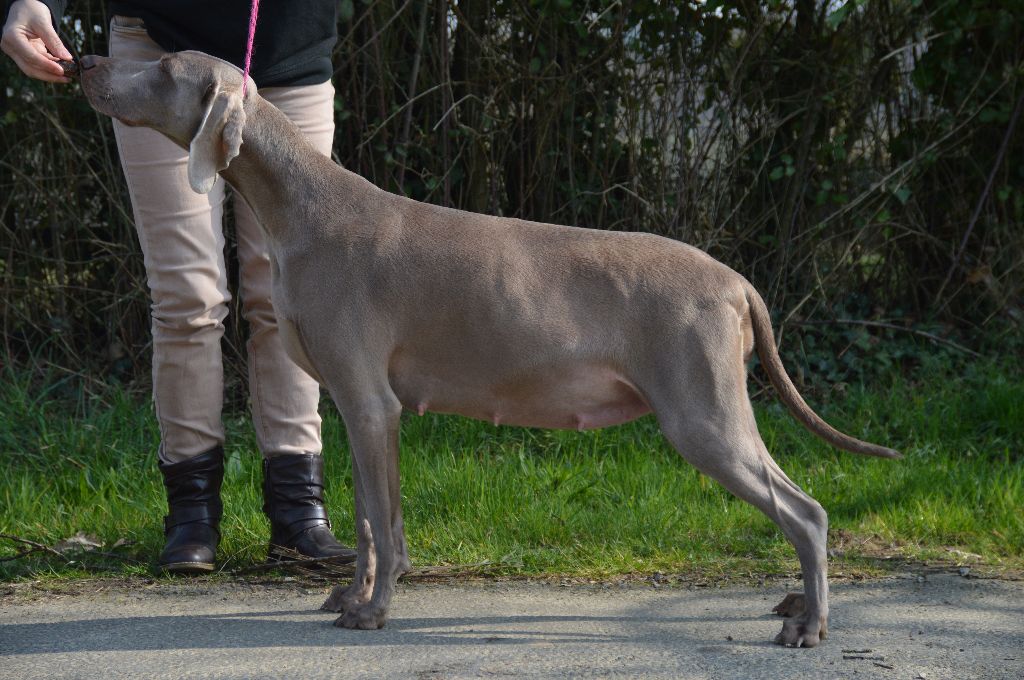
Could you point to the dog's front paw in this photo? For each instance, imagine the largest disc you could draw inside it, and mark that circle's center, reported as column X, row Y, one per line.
column 366, row 617
column 801, row 631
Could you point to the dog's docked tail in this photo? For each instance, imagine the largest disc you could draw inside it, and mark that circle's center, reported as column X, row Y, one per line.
column 764, row 340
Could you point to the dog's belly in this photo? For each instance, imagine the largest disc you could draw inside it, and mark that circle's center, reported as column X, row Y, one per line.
column 580, row 398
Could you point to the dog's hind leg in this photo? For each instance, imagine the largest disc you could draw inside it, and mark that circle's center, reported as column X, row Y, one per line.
column 372, row 426
column 702, row 406
column 743, row 466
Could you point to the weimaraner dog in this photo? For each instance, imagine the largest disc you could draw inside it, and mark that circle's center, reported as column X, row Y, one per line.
column 390, row 303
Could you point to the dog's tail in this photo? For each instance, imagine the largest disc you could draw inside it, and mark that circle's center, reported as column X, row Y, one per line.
column 764, row 340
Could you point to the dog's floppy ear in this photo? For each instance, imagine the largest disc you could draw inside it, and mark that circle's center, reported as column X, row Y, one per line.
column 217, row 140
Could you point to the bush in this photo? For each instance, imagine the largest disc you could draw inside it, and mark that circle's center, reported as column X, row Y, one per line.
column 855, row 161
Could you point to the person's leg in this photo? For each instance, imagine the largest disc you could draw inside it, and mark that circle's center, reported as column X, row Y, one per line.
column 183, row 248
column 285, row 398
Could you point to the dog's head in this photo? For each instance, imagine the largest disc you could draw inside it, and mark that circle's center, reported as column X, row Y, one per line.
column 194, row 99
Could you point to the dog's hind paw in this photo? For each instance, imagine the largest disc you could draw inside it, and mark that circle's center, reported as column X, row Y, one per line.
column 792, row 605
column 344, row 598
column 366, row 617
column 335, row 602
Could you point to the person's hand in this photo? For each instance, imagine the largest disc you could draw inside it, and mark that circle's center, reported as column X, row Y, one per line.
column 29, row 39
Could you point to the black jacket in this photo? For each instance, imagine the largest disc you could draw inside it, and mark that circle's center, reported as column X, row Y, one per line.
column 293, row 43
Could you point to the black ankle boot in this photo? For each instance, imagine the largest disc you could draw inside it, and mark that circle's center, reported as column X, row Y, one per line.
column 194, row 510
column 293, row 485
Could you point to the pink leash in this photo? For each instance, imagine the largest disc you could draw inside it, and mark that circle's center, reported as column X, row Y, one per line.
column 248, row 47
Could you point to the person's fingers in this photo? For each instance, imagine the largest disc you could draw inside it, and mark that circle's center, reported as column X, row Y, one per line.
column 35, row 62
column 31, row 56
column 30, row 40
column 46, row 74
column 39, row 60
column 51, row 40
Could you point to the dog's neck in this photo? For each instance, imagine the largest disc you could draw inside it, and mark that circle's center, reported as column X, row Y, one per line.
column 274, row 159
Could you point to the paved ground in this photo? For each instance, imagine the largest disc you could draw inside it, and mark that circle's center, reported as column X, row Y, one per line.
column 941, row 626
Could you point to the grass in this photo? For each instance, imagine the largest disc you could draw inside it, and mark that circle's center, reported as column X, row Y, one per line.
column 534, row 502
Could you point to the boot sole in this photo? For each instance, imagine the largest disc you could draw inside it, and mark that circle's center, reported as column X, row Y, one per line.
column 188, row 567
column 285, row 558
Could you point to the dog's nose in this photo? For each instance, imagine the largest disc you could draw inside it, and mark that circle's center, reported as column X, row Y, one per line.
column 87, row 62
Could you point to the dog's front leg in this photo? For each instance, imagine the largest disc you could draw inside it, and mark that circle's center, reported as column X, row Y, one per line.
column 343, row 598
column 373, row 437
column 402, row 562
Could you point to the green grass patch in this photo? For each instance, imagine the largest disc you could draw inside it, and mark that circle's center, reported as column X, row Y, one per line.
column 534, row 502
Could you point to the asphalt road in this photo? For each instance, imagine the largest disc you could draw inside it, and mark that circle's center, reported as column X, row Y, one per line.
column 938, row 626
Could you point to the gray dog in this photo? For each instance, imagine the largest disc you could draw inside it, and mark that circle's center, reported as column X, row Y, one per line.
column 390, row 303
